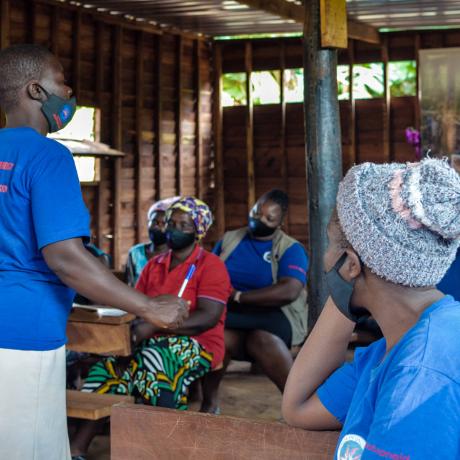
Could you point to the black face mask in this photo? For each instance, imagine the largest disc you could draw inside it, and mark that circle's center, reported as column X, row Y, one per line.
column 341, row 291
column 58, row 111
column 179, row 240
column 259, row 228
column 157, row 237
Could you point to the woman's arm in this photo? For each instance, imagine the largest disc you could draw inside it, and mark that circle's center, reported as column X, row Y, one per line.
column 285, row 291
column 206, row 316
column 78, row 269
column 323, row 352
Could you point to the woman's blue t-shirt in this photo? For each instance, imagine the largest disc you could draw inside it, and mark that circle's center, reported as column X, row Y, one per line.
column 405, row 405
column 249, row 265
column 40, row 204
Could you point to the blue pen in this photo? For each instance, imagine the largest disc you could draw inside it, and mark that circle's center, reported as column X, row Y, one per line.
column 189, row 275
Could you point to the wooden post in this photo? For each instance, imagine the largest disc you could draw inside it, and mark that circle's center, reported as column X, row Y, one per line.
column 158, row 118
column 217, row 133
column 199, row 189
column 284, row 155
column 117, row 144
column 99, row 65
column 4, row 23
column 76, row 38
column 387, row 156
column 351, row 59
column 323, row 149
column 179, row 185
column 417, row 95
column 249, row 127
column 140, row 219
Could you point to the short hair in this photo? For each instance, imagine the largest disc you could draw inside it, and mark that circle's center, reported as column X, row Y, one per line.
column 20, row 64
column 279, row 197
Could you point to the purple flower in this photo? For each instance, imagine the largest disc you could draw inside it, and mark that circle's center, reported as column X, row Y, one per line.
column 413, row 138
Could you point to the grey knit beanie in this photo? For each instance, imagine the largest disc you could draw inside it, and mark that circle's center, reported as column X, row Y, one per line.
column 403, row 220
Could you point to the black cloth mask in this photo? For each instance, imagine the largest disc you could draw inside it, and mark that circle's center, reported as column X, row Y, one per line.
column 179, row 240
column 341, row 291
column 58, row 111
column 157, row 237
column 259, row 228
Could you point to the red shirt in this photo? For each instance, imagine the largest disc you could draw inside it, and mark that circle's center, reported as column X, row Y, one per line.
column 210, row 281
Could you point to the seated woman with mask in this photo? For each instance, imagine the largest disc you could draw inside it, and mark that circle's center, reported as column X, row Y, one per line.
column 392, row 238
column 166, row 362
column 141, row 253
column 268, row 312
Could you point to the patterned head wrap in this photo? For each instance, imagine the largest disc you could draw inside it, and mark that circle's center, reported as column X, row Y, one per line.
column 198, row 210
column 161, row 206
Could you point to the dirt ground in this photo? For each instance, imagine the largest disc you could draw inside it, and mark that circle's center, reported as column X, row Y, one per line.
column 243, row 394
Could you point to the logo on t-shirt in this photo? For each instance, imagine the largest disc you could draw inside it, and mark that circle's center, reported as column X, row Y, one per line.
column 351, row 447
column 268, row 257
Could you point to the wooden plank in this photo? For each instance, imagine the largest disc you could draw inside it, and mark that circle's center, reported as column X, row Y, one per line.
column 178, row 117
column 31, row 21
column 334, row 33
column 99, row 338
column 191, row 435
column 76, row 55
column 417, row 46
column 352, row 126
column 117, row 142
column 249, row 127
column 4, row 23
column 289, row 10
column 92, row 406
column 54, row 28
column 218, row 139
column 140, row 218
column 158, row 117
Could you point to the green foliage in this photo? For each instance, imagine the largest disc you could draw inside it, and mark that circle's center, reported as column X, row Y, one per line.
column 234, row 89
column 368, row 80
column 402, row 77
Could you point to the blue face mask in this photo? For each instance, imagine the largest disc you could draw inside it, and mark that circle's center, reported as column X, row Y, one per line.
column 58, row 111
column 341, row 291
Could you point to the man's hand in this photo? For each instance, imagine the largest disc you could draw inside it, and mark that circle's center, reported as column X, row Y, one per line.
column 166, row 311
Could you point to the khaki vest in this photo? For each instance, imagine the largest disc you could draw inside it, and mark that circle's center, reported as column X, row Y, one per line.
column 296, row 312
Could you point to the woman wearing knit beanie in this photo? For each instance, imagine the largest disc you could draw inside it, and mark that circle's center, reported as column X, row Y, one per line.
column 394, row 235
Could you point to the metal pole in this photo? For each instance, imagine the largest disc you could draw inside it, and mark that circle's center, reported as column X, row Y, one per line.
column 323, row 149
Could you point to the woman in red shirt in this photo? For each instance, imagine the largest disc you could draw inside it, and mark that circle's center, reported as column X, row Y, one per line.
column 165, row 362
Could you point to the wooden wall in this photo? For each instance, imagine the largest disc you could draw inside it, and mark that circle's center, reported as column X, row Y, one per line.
column 272, row 136
column 154, row 92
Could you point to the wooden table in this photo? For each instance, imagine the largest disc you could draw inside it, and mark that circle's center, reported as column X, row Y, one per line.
column 103, row 335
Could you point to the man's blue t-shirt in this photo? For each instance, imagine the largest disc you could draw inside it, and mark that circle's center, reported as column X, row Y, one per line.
column 249, row 265
column 450, row 284
column 40, row 204
column 405, row 405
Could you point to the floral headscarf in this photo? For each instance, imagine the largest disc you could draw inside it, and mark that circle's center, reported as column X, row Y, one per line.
column 198, row 210
column 161, row 205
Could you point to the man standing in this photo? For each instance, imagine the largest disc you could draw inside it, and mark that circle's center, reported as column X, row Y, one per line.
column 42, row 258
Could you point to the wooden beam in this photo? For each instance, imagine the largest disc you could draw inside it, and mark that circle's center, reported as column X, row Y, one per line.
column 178, row 117
column 218, row 141
column 323, row 150
column 356, row 29
column 117, row 142
column 140, row 218
column 199, row 187
column 4, row 23
column 249, row 127
column 158, row 117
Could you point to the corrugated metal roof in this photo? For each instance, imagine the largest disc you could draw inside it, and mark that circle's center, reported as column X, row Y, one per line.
column 229, row 17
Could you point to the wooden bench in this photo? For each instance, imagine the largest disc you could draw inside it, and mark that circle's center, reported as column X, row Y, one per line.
column 144, row 432
column 92, row 406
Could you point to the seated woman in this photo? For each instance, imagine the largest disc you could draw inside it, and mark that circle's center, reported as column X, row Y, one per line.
column 394, row 235
column 141, row 253
column 268, row 312
column 166, row 362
